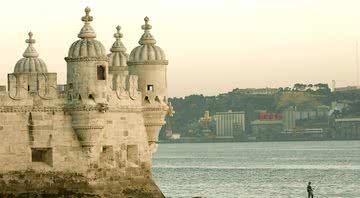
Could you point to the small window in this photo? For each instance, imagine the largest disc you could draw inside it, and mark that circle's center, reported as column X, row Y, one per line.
column 107, row 155
column 28, row 87
column 41, row 155
column 101, row 73
column 132, row 153
column 150, row 87
column 107, row 149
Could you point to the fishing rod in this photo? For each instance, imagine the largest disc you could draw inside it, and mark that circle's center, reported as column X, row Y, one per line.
column 319, row 183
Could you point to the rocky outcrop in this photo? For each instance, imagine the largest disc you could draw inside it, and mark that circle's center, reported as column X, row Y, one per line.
column 31, row 184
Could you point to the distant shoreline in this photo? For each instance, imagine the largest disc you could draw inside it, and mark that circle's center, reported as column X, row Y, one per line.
column 180, row 141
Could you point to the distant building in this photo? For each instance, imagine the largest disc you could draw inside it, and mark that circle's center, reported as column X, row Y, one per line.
column 320, row 112
column 228, row 124
column 175, row 136
column 333, row 85
column 269, row 116
column 205, row 121
column 338, row 106
column 348, row 88
column 266, row 129
column 289, row 119
column 304, row 134
column 347, row 128
column 168, row 130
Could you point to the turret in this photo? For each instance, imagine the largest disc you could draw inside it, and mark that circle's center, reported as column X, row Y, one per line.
column 149, row 63
column 118, row 68
column 87, row 83
column 87, row 67
column 30, row 77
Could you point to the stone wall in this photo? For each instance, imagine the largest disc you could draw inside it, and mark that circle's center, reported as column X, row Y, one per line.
column 23, row 131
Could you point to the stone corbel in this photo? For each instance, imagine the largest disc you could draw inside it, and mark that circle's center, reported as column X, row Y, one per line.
column 121, row 91
column 46, row 91
column 133, row 87
column 16, row 87
column 102, row 107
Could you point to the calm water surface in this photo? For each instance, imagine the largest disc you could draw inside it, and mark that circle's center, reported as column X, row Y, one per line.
column 264, row 169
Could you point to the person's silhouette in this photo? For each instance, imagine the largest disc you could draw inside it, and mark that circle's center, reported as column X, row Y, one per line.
column 310, row 191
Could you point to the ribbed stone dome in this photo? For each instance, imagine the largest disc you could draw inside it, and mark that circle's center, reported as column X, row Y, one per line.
column 87, row 46
column 118, row 59
column 147, row 51
column 31, row 63
column 118, row 56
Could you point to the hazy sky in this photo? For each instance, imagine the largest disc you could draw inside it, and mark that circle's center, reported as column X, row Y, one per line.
column 213, row 46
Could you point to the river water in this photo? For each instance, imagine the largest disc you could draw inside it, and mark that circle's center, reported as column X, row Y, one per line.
column 261, row 169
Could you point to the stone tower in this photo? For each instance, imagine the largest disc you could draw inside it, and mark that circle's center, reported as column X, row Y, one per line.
column 95, row 135
column 118, row 59
column 149, row 63
column 87, row 80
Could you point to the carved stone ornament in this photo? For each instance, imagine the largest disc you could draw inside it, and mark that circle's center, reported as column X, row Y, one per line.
column 170, row 110
column 102, row 107
column 121, row 87
column 133, row 87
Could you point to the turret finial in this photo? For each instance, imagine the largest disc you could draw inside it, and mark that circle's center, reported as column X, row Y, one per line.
column 86, row 31
column 147, row 26
column 30, row 40
column 147, row 38
column 118, row 46
column 118, row 35
column 30, row 51
column 87, row 18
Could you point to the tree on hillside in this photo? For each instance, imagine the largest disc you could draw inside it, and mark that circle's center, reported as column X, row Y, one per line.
column 299, row 87
column 301, row 100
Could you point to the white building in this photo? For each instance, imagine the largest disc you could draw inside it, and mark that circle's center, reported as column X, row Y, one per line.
column 229, row 123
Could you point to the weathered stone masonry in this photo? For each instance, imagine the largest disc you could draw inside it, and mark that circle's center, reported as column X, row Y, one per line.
column 94, row 136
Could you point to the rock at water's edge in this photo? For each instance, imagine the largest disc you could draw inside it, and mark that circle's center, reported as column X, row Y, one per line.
column 31, row 184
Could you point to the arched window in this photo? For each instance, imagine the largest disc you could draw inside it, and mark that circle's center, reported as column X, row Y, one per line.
column 101, row 72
